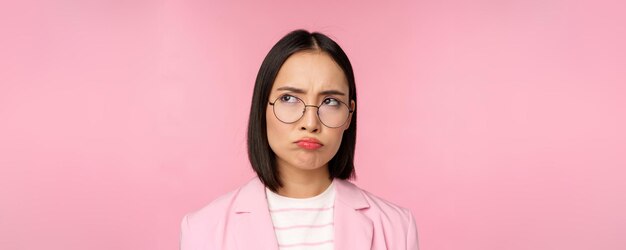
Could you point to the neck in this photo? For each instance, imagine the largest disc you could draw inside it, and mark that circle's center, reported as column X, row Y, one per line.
column 302, row 183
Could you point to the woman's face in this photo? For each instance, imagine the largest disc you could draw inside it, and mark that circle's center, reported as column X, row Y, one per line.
column 306, row 75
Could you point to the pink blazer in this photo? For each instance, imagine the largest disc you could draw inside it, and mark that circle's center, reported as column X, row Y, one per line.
column 241, row 220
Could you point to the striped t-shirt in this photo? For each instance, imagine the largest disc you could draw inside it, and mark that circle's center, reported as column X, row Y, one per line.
column 303, row 223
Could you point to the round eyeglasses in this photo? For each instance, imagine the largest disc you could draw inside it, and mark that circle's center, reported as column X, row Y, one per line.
column 332, row 112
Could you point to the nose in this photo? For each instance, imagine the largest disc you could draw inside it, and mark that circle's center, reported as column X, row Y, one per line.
column 310, row 120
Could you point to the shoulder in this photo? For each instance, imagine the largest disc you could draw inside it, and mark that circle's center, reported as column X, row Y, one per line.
column 214, row 209
column 212, row 215
column 386, row 211
column 376, row 202
column 396, row 222
column 389, row 208
column 210, row 225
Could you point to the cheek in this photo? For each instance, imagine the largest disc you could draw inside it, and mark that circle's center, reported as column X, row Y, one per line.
column 333, row 141
column 274, row 128
column 338, row 136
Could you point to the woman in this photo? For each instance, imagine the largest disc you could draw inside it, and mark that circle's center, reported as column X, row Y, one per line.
column 301, row 140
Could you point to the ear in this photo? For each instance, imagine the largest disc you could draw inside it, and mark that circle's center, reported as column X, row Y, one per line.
column 352, row 107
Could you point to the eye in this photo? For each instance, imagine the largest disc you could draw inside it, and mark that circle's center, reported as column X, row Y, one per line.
column 288, row 98
column 331, row 101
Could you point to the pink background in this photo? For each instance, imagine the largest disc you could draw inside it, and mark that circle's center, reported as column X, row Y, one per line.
column 500, row 124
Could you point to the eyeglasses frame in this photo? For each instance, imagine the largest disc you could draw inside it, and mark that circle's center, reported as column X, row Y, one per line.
column 304, row 110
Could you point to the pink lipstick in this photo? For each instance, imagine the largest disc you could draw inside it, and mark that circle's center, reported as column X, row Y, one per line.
column 309, row 143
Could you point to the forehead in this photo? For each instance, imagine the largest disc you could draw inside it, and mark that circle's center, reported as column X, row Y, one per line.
column 311, row 71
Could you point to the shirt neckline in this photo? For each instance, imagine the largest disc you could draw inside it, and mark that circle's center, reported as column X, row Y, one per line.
column 329, row 190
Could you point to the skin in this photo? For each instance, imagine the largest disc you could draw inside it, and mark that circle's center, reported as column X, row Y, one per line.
column 304, row 172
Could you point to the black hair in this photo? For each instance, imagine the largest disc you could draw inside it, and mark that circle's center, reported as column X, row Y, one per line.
column 261, row 156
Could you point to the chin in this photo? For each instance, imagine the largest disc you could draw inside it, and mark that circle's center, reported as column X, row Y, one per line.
column 305, row 165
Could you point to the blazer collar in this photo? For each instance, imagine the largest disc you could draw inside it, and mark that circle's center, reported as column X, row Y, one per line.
column 255, row 229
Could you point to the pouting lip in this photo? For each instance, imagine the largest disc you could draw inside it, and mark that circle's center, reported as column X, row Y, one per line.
column 309, row 139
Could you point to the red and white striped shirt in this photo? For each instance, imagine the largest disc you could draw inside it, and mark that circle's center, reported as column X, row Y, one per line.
column 303, row 223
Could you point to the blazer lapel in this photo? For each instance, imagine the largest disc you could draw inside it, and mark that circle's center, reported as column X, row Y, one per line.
column 252, row 220
column 353, row 230
column 255, row 230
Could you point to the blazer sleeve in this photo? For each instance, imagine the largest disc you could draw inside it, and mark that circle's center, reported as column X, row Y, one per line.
column 411, row 237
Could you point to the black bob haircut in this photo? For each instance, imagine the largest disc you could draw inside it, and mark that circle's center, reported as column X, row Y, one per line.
column 261, row 156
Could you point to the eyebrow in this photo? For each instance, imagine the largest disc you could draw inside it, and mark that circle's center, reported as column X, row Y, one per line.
column 300, row 91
